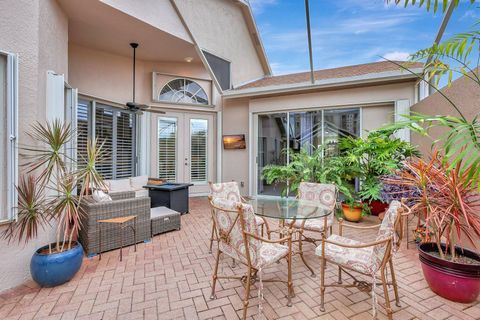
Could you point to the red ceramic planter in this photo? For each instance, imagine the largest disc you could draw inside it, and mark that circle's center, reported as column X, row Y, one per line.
column 453, row 281
column 377, row 207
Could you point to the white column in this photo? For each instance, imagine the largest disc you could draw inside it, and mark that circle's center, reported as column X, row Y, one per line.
column 143, row 140
column 402, row 107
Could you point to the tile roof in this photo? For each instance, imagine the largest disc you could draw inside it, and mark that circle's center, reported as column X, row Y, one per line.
column 334, row 73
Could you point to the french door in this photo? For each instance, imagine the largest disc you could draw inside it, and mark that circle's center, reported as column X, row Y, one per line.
column 184, row 149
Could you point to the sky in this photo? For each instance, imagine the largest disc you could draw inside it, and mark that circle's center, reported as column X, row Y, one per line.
column 347, row 32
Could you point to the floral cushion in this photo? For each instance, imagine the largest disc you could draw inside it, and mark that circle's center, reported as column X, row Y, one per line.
column 316, row 225
column 359, row 259
column 324, row 194
column 226, row 190
column 259, row 220
column 387, row 230
column 270, row 253
column 230, row 232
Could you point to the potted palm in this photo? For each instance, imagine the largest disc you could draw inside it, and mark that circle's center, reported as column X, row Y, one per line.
column 50, row 191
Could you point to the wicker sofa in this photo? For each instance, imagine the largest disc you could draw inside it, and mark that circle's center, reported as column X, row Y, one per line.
column 123, row 204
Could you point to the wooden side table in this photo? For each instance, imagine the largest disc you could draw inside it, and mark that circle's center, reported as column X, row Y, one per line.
column 122, row 222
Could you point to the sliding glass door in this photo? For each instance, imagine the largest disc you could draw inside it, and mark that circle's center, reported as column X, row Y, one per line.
column 281, row 134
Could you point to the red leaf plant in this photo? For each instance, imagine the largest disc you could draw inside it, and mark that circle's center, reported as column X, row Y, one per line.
column 447, row 200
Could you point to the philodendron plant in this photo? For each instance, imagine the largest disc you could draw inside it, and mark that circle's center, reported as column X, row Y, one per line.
column 52, row 185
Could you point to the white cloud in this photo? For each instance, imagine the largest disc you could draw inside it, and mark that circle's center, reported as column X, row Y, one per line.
column 397, row 55
column 258, row 6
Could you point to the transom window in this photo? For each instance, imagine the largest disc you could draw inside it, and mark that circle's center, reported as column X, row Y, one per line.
column 183, row 91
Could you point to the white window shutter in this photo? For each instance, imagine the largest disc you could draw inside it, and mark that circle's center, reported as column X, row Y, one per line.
column 55, row 96
column 402, row 107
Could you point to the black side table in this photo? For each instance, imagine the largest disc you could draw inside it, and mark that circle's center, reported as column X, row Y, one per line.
column 170, row 195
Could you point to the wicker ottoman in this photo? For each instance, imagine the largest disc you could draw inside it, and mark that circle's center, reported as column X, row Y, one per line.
column 163, row 219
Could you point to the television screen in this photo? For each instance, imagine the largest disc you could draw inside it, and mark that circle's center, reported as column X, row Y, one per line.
column 235, row 141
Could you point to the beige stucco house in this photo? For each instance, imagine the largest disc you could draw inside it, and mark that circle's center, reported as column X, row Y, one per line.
column 202, row 63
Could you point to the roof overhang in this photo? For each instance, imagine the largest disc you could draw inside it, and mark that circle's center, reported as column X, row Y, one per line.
column 334, row 83
column 255, row 35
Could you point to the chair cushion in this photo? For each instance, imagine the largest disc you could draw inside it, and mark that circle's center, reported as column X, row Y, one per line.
column 358, row 259
column 259, row 221
column 316, row 225
column 141, row 193
column 100, row 196
column 270, row 253
column 120, row 185
column 226, row 190
column 137, row 183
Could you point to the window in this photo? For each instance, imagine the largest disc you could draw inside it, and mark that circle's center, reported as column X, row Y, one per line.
column 198, row 150
column 183, row 91
column 220, row 68
column 167, row 148
column 293, row 131
column 115, row 129
column 8, row 136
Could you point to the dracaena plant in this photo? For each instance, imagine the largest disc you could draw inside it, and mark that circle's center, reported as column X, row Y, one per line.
column 52, row 185
column 445, row 199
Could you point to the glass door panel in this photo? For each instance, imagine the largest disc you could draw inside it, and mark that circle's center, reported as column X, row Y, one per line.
column 198, row 150
column 272, row 141
column 167, row 148
column 340, row 123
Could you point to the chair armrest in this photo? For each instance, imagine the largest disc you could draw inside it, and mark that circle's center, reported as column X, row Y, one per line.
column 287, row 238
column 357, row 227
column 122, row 195
column 246, row 198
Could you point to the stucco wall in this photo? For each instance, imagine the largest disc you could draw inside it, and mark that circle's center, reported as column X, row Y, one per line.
column 109, row 76
column 463, row 93
column 219, row 27
column 235, row 162
column 38, row 34
column 159, row 14
column 236, row 115
column 376, row 116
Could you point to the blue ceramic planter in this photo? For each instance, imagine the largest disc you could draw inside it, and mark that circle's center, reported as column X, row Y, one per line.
column 50, row 270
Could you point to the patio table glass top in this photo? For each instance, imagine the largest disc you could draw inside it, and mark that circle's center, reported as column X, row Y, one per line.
column 288, row 208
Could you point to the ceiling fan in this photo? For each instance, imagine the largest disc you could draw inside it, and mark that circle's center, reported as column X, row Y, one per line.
column 138, row 108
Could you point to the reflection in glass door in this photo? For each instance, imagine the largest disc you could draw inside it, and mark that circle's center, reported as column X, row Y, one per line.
column 280, row 134
column 272, row 141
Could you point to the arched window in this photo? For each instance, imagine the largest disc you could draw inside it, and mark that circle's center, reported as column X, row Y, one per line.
column 183, row 91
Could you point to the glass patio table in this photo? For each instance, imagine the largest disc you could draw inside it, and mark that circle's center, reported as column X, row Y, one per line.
column 287, row 211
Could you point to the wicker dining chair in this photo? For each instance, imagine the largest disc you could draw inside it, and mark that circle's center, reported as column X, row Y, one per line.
column 230, row 191
column 365, row 258
column 324, row 196
column 239, row 238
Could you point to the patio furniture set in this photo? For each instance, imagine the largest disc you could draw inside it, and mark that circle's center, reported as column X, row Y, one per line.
column 237, row 233
column 154, row 207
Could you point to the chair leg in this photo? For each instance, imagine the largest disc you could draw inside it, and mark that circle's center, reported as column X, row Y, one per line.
column 212, row 237
column 290, row 291
column 394, row 282
column 215, row 277
column 322, row 283
column 300, row 251
column 247, row 293
column 387, row 298
column 339, row 275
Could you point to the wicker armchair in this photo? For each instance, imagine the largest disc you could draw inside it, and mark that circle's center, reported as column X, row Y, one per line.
column 123, row 204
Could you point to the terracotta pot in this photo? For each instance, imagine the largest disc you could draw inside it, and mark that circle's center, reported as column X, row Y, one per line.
column 352, row 214
column 453, row 281
column 377, row 207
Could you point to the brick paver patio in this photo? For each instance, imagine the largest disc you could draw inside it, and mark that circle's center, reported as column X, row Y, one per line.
column 169, row 278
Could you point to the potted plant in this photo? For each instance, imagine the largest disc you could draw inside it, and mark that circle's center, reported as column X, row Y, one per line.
column 50, row 191
column 448, row 204
column 369, row 159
